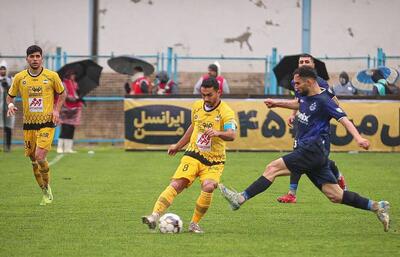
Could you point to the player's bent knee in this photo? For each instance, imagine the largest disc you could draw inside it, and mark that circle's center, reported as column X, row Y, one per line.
column 334, row 198
column 179, row 184
column 270, row 170
column 209, row 187
column 39, row 157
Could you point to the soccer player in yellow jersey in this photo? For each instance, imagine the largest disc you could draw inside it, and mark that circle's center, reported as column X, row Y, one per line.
column 213, row 123
column 37, row 87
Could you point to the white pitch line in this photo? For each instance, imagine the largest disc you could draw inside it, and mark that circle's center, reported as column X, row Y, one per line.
column 56, row 159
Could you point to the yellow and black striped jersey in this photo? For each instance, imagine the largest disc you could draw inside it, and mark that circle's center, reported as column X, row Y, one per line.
column 37, row 93
column 209, row 150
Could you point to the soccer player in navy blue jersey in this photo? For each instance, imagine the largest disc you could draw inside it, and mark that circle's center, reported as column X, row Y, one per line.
column 290, row 197
column 311, row 150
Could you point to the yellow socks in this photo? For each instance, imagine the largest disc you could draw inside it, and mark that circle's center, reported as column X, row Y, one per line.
column 202, row 205
column 165, row 200
column 37, row 174
column 44, row 171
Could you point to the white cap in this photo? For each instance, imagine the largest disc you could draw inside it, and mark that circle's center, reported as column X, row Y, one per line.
column 219, row 67
column 3, row 63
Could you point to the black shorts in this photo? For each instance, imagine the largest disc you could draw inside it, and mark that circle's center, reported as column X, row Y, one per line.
column 311, row 159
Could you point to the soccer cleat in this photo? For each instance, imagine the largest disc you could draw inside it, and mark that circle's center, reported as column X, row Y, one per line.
column 150, row 221
column 383, row 214
column 231, row 196
column 195, row 228
column 43, row 202
column 288, row 198
column 342, row 183
column 47, row 195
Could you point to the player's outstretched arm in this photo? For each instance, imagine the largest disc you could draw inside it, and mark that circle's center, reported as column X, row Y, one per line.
column 288, row 104
column 362, row 142
column 174, row 148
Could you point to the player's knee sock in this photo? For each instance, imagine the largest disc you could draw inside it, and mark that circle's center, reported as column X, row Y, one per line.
column 355, row 200
column 202, row 205
column 293, row 188
column 294, row 182
column 45, row 171
column 37, row 174
column 258, row 186
column 334, row 169
column 165, row 200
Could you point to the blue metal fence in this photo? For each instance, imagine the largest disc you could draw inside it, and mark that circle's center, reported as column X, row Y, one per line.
column 170, row 62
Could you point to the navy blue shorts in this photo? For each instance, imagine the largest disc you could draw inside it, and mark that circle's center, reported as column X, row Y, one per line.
column 311, row 159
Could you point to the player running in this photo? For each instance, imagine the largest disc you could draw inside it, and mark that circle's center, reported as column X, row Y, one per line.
column 37, row 87
column 310, row 155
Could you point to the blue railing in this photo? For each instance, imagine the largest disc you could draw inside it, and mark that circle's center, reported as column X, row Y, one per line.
column 170, row 62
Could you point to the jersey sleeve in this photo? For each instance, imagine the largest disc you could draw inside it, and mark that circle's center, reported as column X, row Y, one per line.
column 228, row 120
column 334, row 110
column 58, row 85
column 13, row 91
column 194, row 109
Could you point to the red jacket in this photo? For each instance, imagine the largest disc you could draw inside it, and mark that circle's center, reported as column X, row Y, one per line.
column 135, row 86
column 71, row 88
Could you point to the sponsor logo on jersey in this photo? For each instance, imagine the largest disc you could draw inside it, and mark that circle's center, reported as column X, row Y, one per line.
column 207, row 125
column 313, row 106
column 34, row 91
column 35, row 104
column 303, row 118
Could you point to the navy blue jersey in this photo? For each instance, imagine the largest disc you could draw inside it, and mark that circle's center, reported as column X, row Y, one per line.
column 313, row 118
column 322, row 84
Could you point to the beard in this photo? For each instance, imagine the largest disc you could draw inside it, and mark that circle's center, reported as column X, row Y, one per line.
column 304, row 93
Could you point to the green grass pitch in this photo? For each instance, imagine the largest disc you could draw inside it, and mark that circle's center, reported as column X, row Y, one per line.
column 99, row 199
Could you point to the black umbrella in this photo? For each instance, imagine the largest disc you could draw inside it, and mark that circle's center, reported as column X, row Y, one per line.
column 288, row 64
column 87, row 75
column 125, row 64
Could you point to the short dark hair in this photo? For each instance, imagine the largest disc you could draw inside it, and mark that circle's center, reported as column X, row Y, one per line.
column 213, row 67
column 306, row 72
column 304, row 55
column 138, row 68
column 210, row 82
column 33, row 49
column 377, row 75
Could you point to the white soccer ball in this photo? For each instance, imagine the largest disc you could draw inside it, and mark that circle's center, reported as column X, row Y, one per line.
column 170, row 223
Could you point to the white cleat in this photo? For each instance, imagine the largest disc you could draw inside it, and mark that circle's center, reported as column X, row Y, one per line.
column 231, row 196
column 47, row 195
column 43, row 202
column 150, row 221
column 195, row 228
column 383, row 214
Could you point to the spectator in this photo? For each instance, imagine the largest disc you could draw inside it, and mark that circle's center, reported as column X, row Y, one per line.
column 164, row 85
column 70, row 115
column 213, row 71
column 381, row 86
column 7, row 123
column 345, row 87
column 139, row 83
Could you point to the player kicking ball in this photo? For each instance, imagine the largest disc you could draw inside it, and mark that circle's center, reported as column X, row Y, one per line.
column 310, row 154
column 213, row 123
